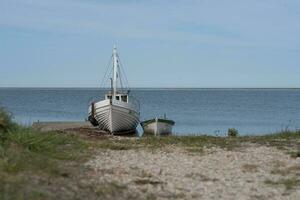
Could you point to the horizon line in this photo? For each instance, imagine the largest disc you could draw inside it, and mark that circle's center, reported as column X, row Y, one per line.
column 151, row 88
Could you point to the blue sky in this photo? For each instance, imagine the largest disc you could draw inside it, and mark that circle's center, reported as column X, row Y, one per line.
column 178, row 43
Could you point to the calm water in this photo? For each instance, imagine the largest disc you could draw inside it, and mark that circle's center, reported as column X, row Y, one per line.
column 195, row 111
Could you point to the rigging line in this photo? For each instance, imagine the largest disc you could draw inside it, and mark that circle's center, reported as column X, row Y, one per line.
column 106, row 72
column 123, row 71
column 121, row 76
column 123, row 79
column 107, row 67
column 110, row 75
column 120, row 73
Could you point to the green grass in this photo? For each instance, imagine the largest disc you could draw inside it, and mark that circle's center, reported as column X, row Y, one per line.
column 28, row 149
column 191, row 143
column 194, row 144
column 6, row 123
column 34, row 164
column 27, row 155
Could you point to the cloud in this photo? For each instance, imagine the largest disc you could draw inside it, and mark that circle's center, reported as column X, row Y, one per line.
column 258, row 23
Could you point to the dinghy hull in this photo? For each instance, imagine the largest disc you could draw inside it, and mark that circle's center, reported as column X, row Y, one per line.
column 158, row 126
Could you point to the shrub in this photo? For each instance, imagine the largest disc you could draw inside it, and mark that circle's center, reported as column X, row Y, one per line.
column 232, row 132
column 6, row 123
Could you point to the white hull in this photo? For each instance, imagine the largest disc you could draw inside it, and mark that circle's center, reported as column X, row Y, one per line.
column 158, row 128
column 118, row 113
column 115, row 116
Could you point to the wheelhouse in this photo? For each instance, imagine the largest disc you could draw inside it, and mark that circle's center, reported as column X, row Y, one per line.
column 118, row 97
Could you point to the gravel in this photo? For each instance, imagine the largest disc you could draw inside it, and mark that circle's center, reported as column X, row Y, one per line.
column 250, row 172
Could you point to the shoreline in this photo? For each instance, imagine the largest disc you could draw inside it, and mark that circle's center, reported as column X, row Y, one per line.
column 82, row 163
column 65, row 125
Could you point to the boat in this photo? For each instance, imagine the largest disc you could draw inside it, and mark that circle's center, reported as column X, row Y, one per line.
column 158, row 126
column 118, row 112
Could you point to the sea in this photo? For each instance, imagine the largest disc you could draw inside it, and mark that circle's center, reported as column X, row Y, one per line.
column 195, row 111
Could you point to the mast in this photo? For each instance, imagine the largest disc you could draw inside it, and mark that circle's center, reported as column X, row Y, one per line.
column 115, row 70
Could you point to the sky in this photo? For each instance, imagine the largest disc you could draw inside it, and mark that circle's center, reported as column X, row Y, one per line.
column 162, row 43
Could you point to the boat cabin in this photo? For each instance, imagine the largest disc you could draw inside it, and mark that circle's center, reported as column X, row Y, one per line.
column 119, row 97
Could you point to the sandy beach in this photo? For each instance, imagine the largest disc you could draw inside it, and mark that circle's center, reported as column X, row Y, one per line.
column 79, row 162
column 123, row 167
column 249, row 172
column 149, row 100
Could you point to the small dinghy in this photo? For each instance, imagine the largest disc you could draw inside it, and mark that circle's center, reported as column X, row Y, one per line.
column 158, row 126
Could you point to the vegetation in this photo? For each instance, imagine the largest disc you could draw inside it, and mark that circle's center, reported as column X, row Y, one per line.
column 6, row 123
column 53, row 161
column 232, row 132
column 283, row 140
column 28, row 156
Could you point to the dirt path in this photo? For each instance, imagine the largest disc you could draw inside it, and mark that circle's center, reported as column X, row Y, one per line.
column 60, row 125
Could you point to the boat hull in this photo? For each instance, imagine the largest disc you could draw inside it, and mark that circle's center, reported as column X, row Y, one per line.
column 158, row 127
column 114, row 116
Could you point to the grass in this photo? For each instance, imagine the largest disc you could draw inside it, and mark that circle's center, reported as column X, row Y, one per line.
column 196, row 144
column 44, row 165
column 28, row 149
column 6, row 124
column 29, row 156
column 191, row 143
column 232, row 132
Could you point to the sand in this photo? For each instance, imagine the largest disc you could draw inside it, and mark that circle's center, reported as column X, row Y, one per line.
column 60, row 125
column 251, row 172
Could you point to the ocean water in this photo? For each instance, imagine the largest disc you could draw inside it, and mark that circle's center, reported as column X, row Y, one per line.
column 195, row 111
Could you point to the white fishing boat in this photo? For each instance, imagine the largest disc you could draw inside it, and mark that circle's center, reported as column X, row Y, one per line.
column 158, row 126
column 119, row 112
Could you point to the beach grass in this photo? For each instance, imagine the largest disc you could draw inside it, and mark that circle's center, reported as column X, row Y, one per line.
column 34, row 164
column 281, row 140
column 26, row 154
